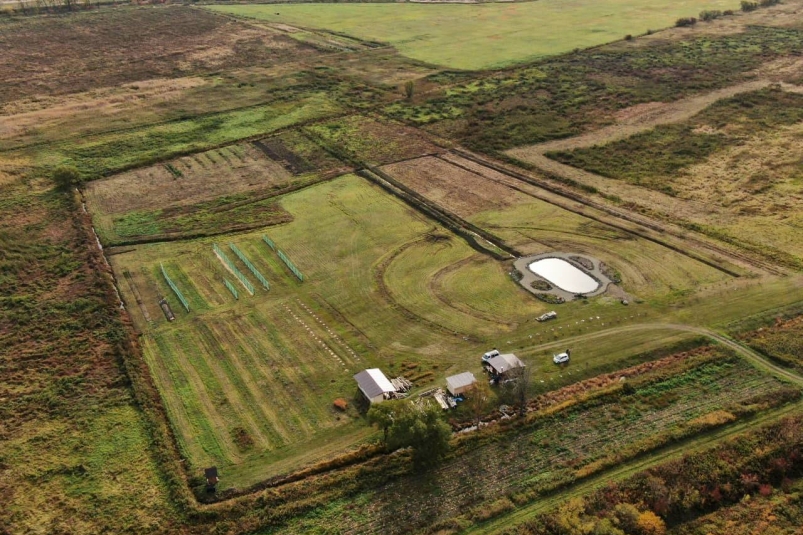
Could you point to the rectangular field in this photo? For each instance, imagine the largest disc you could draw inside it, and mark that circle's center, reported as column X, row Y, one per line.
column 209, row 192
column 498, row 204
column 482, row 36
column 249, row 383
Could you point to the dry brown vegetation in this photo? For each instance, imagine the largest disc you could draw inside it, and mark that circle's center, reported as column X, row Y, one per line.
column 110, row 47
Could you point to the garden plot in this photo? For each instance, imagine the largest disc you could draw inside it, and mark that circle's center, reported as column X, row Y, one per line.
column 250, row 382
column 186, row 181
column 227, row 189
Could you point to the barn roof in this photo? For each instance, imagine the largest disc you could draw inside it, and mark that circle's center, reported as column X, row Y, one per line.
column 505, row 362
column 460, row 380
column 373, row 383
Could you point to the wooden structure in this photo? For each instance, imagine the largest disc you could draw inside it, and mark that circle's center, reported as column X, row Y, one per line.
column 500, row 365
column 374, row 385
column 401, row 384
column 460, row 383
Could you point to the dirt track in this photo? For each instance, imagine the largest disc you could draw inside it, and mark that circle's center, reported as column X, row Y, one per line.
column 640, row 118
column 633, row 121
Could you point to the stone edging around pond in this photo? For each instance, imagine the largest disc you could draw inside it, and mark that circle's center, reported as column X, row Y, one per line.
column 528, row 277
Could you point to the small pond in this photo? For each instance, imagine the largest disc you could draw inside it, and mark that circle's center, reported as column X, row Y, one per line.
column 564, row 275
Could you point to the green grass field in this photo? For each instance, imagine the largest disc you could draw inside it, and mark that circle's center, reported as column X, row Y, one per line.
column 249, row 383
column 486, row 35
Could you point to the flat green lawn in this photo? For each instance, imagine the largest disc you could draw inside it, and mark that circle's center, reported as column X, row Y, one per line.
column 486, row 35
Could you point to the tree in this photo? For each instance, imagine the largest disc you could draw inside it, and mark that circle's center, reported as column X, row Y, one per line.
column 477, row 400
column 627, row 516
column 651, row 524
column 520, row 387
column 420, row 426
column 66, row 176
column 381, row 415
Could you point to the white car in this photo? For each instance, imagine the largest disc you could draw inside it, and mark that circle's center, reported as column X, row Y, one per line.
column 548, row 316
column 560, row 358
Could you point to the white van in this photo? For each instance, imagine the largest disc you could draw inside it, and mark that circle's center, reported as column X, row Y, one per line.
column 490, row 354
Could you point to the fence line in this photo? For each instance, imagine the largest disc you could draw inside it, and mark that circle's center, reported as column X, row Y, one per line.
column 174, row 288
column 236, row 272
column 290, row 265
column 269, row 242
column 249, row 265
column 231, row 288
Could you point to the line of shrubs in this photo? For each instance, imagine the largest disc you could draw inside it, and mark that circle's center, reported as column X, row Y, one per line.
column 710, row 14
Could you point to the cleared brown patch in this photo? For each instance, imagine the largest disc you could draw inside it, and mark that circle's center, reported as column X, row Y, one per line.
column 186, row 181
column 20, row 118
column 458, row 190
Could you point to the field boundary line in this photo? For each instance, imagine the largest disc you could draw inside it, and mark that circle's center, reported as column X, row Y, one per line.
column 472, row 234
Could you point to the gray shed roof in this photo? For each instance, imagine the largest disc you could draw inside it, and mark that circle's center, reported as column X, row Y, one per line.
column 460, row 380
column 373, row 383
column 505, row 362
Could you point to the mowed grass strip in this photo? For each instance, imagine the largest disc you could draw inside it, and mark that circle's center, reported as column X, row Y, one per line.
column 184, row 284
column 341, row 232
column 482, row 36
column 222, row 362
column 193, row 391
column 409, row 276
column 240, row 364
column 484, row 287
column 283, row 368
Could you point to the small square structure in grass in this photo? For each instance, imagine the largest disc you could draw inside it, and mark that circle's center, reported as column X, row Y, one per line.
column 502, row 364
column 461, row 383
column 374, row 385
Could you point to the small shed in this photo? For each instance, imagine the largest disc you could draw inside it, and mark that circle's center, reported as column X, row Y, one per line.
column 211, row 477
column 501, row 364
column 460, row 383
column 374, row 385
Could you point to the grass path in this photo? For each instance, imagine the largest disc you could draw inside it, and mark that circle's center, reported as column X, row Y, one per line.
column 745, row 352
column 641, row 119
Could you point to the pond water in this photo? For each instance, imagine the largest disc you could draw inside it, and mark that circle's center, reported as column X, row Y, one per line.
column 564, row 275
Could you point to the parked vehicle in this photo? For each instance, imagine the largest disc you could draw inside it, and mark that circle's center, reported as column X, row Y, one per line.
column 561, row 358
column 490, row 354
column 548, row 316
